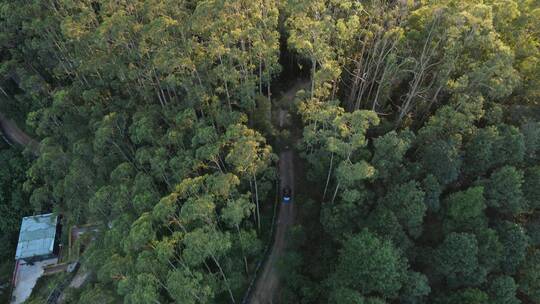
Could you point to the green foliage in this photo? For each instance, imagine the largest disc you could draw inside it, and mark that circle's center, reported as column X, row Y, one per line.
column 441, row 158
column 502, row 290
column 533, row 231
column 370, row 265
column 503, row 191
column 13, row 206
column 515, row 243
column 467, row 296
column 186, row 287
column 419, row 130
column 464, row 211
column 529, row 276
column 346, row 295
column 479, row 151
column 490, row 249
column 531, row 134
column 97, row 294
column 456, row 259
column 407, row 202
column 416, row 288
column 531, row 186
column 433, row 190
column 510, row 148
column 13, row 200
column 389, row 152
column 349, row 296
column 385, row 224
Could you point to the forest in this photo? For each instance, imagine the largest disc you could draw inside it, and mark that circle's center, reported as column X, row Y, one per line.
column 415, row 126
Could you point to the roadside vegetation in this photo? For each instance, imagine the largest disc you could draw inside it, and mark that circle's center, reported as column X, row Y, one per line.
column 13, row 206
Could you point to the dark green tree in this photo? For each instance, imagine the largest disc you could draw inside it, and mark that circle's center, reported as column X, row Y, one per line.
column 464, row 211
column 370, row 265
column 502, row 290
column 456, row 259
column 503, row 191
column 515, row 243
column 529, row 276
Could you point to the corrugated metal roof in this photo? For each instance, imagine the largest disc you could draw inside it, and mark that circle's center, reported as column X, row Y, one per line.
column 37, row 236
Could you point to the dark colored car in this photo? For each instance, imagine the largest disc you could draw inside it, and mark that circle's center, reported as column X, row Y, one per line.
column 287, row 194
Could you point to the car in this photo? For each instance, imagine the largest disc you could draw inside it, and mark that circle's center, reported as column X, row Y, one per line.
column 287, row 194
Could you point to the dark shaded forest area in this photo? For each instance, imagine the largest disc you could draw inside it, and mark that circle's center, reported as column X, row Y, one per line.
column 419, row 137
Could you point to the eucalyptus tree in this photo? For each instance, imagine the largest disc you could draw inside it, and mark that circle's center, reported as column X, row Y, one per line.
column 321, row 32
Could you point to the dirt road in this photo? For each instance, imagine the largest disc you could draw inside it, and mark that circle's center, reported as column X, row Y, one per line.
column 267, row 285
column 267, row 289
column 15, row 135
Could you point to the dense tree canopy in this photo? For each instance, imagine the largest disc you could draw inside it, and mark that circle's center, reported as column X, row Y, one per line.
column 416, row 124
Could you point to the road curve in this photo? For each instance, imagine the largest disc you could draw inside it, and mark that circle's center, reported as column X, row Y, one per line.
column 13, row 134
column 267, row 286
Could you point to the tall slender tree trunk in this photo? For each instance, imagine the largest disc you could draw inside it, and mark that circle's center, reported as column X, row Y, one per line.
column 335, row 193
column 421, row 69
column 268, row 90
column 224, row 278
column 260, row 77
column 328, row 177
column 226, row 87
column 242, row 249
column 257, row 201
column 313, row 68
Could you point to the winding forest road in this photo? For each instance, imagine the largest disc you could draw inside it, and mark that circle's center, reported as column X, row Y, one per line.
column 13, row 134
